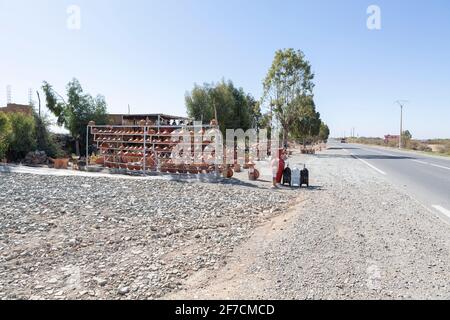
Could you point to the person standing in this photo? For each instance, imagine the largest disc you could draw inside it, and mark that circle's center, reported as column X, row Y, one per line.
column 275, row 164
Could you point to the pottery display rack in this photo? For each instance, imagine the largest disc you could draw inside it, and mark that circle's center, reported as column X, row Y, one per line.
column 149, row 148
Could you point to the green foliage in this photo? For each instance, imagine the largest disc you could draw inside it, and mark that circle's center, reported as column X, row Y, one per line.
column 407, row 135
column 324, row 132
column 23, row 138
column 5, row 134
column 44, row 139
column 235, row 109
column 255, row 112
column 288, row 87
column 79, row 109
column 306, row 120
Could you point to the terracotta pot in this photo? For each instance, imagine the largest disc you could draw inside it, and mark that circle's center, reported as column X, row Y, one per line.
column 172, row 170
column 164, row 169
column 228, row 173
column 237, row 168
column 60, row 163
column 193, row 170
column 134, row 167
column 253, row 175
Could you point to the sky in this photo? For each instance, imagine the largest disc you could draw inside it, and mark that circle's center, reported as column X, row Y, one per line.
column 148, row 54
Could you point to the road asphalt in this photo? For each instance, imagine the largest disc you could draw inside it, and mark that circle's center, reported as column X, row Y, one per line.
column 425, row 178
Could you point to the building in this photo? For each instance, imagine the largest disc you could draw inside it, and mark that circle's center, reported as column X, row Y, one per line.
column 391, row 138
column 135, row 119
column 17, row 108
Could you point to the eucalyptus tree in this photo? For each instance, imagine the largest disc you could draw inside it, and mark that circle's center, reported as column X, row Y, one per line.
column 233, row 108
column 288, row 81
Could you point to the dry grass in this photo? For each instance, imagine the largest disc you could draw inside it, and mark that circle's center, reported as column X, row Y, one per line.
column 436, row 146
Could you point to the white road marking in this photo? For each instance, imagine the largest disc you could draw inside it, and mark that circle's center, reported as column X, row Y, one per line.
column 431, row 164
column 442, row 210
column 417, row 161
column 368, row 164
column 421, row 162
column 439, row 166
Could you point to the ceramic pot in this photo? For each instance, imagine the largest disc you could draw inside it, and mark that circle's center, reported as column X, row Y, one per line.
column 253, row 176
column 228, row 173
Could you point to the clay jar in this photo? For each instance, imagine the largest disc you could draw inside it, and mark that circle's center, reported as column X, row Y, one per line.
column 253, row 175
column 228, row 173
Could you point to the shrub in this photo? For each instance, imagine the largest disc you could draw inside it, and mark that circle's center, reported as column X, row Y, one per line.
column 23, row 138
column 445, row 149
column 5, row 135
column 418, row 146
column 45, row 141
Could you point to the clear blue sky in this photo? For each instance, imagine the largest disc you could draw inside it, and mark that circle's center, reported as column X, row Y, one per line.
column 149, row 53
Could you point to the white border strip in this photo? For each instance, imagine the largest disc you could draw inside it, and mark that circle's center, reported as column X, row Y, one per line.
column 368, row 164
column 442, row 210
column 431, row 164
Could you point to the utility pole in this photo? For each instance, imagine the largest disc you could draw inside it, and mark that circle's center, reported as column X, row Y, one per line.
column 401, row 103
column 8, row 94
column 39, row 99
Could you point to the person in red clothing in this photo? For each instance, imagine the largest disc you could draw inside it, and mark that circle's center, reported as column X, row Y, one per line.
column 277, row 165
column 281, row 166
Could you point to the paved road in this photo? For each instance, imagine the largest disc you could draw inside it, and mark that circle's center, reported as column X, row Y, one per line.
column 425, row 178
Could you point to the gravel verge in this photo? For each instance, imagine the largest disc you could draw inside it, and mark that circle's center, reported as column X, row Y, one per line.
column 102, row 238
column 355, row 236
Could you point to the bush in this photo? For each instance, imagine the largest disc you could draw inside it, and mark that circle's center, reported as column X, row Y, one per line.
column 23, row 138
column 445, row 149
column 5, row 135
column 45, row 141
column 418, row 146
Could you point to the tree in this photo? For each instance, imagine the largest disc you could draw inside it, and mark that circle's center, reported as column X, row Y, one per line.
column 233, row 107
column 23, row 138
column 199, row 103
column 76, row 113
column 5, row 135
column 306, row 120
column 44, row 139
column 407, row 135
column 289, row 78
column 324, row 132
column 255, row 112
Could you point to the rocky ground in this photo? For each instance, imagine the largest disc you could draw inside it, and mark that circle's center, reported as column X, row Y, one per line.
column 353, row 236
column 69, row 237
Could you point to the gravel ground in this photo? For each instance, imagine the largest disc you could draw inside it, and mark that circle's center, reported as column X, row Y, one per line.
column 355, row 236
column 104, row 238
